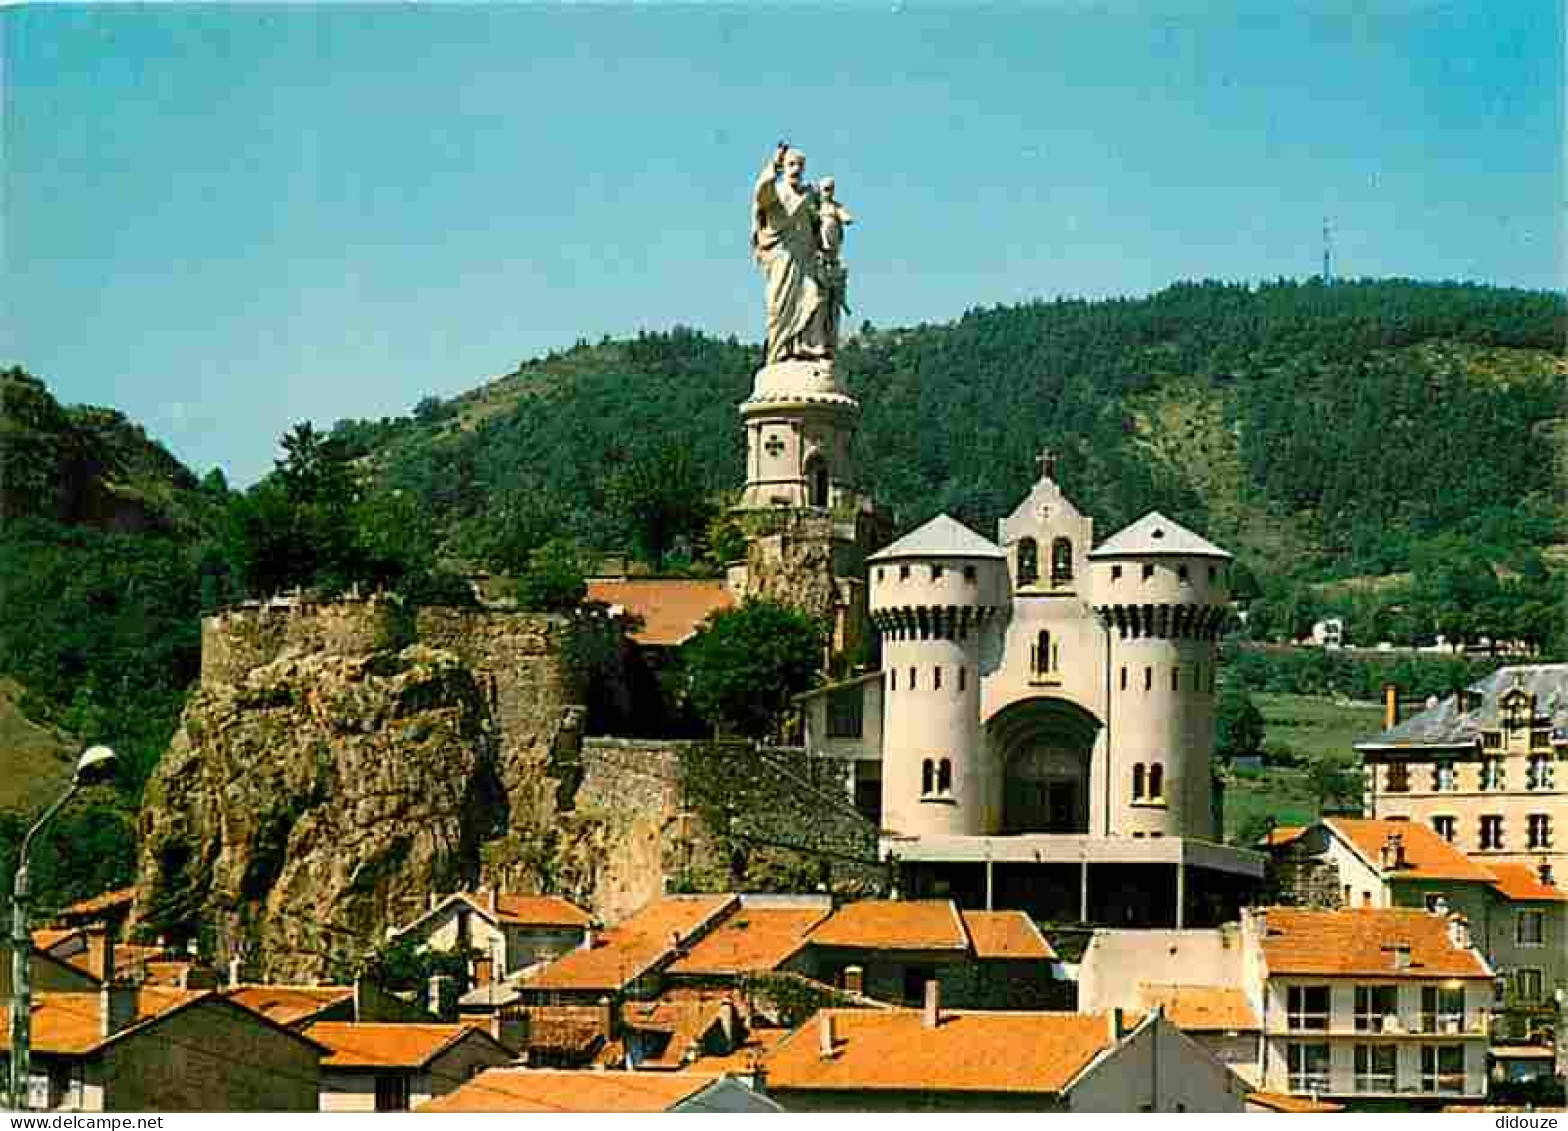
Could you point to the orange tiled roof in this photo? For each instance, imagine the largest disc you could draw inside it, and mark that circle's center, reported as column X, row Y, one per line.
column 746, row 1057
column 684, row 1021
column 888, row 924
column 47, row 938
column 639, row 943
column 1520, row 881
column 105, row 901
column 539, row 911
column 671, row 609
column 1291, row 1105
column 1285, row 834
column 1202, row 1009
column 1362, row 942
column 548, row 1090
column 753, row 939
column 1006, row 934
column 1429, row 856
column 72, row 1023
column 967, row 1052
column 288, row 1005
column 386, row 1044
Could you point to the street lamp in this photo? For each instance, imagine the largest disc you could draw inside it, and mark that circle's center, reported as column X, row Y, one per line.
column 95, row 763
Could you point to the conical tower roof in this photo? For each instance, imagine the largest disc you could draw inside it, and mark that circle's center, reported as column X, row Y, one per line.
column 1154, row 534
column 942, row 537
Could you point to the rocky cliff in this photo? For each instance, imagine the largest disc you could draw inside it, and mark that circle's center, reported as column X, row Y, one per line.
column 340, row 762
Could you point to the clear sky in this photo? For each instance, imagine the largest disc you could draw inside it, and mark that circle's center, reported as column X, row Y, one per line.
column 225, row 219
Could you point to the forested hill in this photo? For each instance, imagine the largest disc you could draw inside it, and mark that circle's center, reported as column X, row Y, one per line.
column 1320, row 430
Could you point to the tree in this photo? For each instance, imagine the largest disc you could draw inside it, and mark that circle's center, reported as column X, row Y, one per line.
column 746, row 664
column 1238, row 725
column 553, row 581
column 661, row 497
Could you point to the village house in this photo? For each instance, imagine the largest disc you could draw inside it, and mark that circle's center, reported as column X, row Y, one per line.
column 299, row 1007
column 1379, row 1007
column 966, row 1061
column 889, row 949
column 553, row 1091
column 509, row 932
column 125, row 1048
column 374, row 1066
column 1516, row 916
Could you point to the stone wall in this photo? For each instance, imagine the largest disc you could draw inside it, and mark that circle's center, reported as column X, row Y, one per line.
column 238, row 640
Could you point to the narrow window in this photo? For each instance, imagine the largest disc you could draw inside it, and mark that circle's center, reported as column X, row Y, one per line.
column 936, row 678
column 913, row 683
column 944, row 776
column 969, row 573
column 927, row 777
column 1138, row 782
column 1116, row 573
column 1124, row 677
column 1028, row 562
column 903, row 573
column 1176, row 678
column 1148, row 571
column 1446, row 827
column 1214, row 573
column 1148, row 679
column 1156, row 782
column 1181, row 575
column 962, row 673
column 936, row 572
column 1040, row 658
column 892, row 679
column 1061, row 561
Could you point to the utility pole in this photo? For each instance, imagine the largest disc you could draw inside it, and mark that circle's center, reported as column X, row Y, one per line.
column 1328, row 251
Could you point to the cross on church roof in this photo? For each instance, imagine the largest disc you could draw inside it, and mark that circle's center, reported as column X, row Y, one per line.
column 1047, row 461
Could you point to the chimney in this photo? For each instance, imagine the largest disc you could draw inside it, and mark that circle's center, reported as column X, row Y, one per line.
column 855, row 979
column 1543, row 872
column 483, row 968
column 100, row 951
column 727, row 1023
column 931, row 1016
column 1401, row 862
column 589, row 937
column 234, row 971
column 492, row 901
column 1401, row 956
column 606, row 1019
column 1390, row 706
column 437, row 982
column 825, row 1034
column 117, row 1008
column 1116, row 1024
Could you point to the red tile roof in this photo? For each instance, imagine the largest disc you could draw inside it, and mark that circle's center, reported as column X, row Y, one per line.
column 539, row 911
column 388, row 1044
column 753, row 939
column 47, row 938
column 634, row 947
column 1285, row 834
column 686, row 1022
column 546, row 1090
column 1292, row 1105
column 967, row 1052
column 1522, row 882
column 886, row 924
column 671, row 609
column 70, row 1023
column 1427, row 855
column 1362, row 942
column 1202, row 1009
column 1006, row 934
column 98, row 904
column 288, row 1005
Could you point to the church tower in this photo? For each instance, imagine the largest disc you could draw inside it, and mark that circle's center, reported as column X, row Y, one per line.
column 933, row 592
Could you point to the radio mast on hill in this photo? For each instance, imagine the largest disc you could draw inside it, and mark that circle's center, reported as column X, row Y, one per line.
column 1328, row 250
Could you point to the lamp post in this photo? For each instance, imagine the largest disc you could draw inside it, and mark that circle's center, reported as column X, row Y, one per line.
column 94, row 763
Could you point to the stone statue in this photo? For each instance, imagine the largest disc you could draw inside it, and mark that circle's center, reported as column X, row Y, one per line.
column 832, row 219
column 786, row 238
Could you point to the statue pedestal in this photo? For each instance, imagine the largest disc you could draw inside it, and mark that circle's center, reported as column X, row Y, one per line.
column 799, row 424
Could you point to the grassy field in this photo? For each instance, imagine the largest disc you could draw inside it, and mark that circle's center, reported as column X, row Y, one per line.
column 1311, row 728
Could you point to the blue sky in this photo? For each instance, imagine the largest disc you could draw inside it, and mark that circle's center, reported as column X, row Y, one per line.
column 225, row 219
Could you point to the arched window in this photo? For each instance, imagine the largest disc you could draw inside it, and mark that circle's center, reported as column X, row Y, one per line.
column 817, row 481
column 1040, row 661
column 1156, row 782
column 944, row 776
column 1061, row 561
column 1028, row 562
column 927, row 777
column 1137, row 782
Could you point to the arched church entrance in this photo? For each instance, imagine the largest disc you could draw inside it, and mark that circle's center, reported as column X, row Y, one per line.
column 1044, row 745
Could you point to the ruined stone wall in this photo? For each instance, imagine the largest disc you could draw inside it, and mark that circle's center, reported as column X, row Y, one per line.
column 241, row 639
